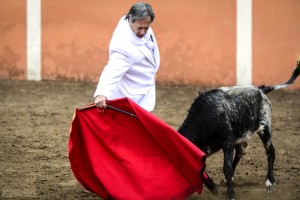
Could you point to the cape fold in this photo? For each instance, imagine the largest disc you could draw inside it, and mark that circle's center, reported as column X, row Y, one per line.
column 119, row 156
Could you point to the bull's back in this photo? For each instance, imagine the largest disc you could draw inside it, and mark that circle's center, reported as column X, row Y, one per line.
column 250, row 108
column 219, row 112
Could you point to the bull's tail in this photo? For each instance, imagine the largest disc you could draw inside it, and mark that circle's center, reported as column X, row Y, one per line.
column 295, row 74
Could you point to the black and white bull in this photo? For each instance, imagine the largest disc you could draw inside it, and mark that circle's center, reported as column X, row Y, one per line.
column 225, row 118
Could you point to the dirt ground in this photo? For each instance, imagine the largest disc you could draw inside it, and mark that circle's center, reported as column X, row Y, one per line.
column 35, row 121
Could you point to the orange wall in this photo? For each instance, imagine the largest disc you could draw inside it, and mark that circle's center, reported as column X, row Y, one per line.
column 13, row 39
column 77, row 46
column 197, row 39
column 276, row 40
column 75, row 37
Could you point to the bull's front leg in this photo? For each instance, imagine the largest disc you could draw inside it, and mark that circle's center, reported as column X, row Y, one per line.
column 228, row 151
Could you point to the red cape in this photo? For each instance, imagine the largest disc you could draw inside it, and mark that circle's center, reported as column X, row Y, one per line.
column 118, row 156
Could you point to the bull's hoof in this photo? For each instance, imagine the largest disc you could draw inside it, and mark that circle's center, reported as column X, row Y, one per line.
column 211, row 186
column 230, row 194
column 215, row 191
column 231, row 198
column 269, row 185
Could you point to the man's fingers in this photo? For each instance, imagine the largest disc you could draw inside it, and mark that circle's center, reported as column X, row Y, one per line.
column 101, row 104
column 100, row 101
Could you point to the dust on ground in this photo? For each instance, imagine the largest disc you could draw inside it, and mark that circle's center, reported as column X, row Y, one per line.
column 34, row 133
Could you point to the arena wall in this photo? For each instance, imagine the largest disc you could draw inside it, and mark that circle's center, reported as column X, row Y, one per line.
column 201, row 42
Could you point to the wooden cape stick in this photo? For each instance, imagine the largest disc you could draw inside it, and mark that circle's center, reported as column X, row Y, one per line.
column 108, row 106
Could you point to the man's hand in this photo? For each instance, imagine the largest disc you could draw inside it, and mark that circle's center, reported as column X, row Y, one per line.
column 100, row 101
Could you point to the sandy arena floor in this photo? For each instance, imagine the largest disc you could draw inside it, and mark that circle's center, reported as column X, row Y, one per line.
column 34, row 132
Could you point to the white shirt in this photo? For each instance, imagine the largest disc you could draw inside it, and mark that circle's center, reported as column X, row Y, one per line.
column 132, row 66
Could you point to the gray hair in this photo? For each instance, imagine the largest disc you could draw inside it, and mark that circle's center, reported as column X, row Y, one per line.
column 139, row 11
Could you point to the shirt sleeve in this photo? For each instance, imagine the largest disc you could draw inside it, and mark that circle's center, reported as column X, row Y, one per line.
column 112, row 73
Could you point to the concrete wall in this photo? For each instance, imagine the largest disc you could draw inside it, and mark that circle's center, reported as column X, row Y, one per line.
column 197, row 39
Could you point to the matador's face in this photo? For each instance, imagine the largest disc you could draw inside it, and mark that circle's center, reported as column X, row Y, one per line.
column 140, row 27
